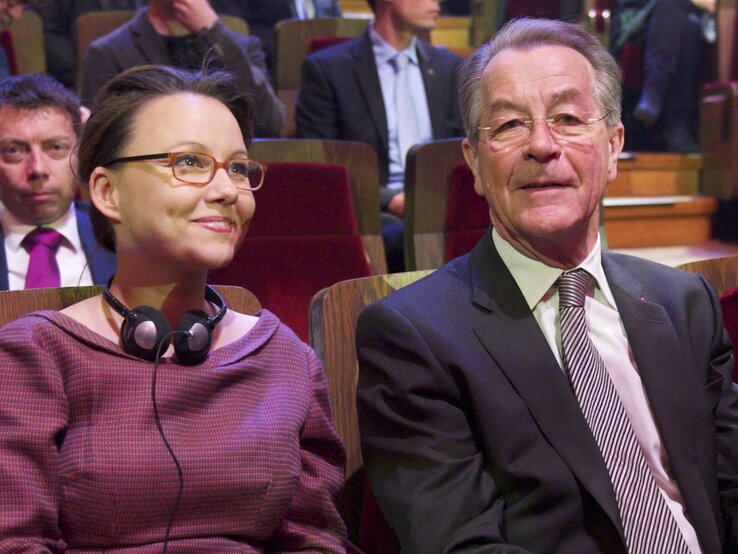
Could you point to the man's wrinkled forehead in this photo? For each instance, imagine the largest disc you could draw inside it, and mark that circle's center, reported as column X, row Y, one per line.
column 559, row 72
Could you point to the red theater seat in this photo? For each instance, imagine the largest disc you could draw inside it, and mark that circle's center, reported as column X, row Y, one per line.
column 444, row 217
column 6, row 40
column 302, row 239
column 467, row 214
column 318, row 43
column 722, row 274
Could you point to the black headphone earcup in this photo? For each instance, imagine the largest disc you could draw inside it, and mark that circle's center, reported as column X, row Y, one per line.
column 192, row 337
column 142, row 332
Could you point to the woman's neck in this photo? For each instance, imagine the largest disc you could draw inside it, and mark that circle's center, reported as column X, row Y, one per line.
column 172, row 297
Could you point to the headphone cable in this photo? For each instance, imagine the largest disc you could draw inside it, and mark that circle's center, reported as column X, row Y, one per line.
column 160, row 428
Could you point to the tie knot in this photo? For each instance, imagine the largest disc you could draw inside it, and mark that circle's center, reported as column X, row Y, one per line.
column 42, row 236
column 401, row 61
column 573, row 286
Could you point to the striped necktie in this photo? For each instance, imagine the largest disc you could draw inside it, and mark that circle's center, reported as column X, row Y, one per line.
column 648, row 524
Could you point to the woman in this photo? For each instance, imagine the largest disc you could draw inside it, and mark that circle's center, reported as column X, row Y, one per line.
column 221, row 446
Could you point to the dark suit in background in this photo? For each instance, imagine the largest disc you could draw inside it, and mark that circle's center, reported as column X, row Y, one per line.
column 340, row 97
column 101, row 262
column 470, row 428
column 137, row 43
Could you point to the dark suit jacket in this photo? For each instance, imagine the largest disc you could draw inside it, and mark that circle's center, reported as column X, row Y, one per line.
column 340, row 97
column 472, row 435
column 137, row 43
column 101, row 262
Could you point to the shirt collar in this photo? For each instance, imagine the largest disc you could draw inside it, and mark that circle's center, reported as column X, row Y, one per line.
column 15, row 231
column 536, row 280
column 384, row 51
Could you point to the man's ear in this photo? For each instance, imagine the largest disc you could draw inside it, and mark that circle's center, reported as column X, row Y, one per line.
column 616, row 140
column 104, row 193
column 472, row 160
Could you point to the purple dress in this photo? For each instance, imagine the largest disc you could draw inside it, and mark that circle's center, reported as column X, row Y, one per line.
column 83, row 467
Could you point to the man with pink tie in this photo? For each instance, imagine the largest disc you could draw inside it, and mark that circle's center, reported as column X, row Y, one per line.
column 47, row 235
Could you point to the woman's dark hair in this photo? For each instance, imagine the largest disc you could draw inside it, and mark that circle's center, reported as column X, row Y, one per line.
column 110, row 126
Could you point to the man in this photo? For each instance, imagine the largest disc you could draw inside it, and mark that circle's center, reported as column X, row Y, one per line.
column 151, row 37
column 39, row 127
column 489, row 422
column 349, row 92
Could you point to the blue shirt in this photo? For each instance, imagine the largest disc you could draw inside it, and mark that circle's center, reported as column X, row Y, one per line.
column 383, row 53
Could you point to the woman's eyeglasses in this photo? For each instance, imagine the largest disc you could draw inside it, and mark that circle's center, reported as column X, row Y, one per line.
column 196, row 168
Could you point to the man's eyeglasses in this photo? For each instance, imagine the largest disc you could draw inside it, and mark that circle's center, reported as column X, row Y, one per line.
column 196, row 168
column 514, row 131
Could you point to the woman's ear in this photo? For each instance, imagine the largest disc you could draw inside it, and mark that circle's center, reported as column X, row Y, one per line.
column 104, row 193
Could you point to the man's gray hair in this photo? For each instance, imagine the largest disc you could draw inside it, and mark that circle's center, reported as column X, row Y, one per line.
column 525, row 34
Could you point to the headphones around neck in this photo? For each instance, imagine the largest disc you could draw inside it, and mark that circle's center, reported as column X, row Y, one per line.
column 144, row 328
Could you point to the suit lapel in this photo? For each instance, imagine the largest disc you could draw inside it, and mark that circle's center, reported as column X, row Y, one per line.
column 3, row 263
column 100, row 261
column 656, row 349
column 509, row 332
column 433, row 92
column 149, row 45
column 365, row 72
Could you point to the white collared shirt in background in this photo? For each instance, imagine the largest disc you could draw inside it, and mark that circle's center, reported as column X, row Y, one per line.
column 70, row 256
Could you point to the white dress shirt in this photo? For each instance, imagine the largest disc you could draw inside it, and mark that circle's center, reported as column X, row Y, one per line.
column 383, row 54
column 537, row 282
column 70, row 256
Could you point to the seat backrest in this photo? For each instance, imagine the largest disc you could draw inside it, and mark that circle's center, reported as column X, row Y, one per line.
column 17, row 303
column 93, row 25
column 719, row 139
column 453, row 32
column 294, row 39
column 487, row 17
column 359, row 7
column 428, row 173
column 727, row 38
column 361, row 162
column 28, row 43
column 302, row 239
column 722, row 273
column 333, row 314
column 467, row 214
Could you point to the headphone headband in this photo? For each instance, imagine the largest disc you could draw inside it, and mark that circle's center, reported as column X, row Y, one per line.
column 144, row 328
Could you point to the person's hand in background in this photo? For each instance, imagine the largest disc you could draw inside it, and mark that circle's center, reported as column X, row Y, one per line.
column 10, row 10
column 195, row 15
